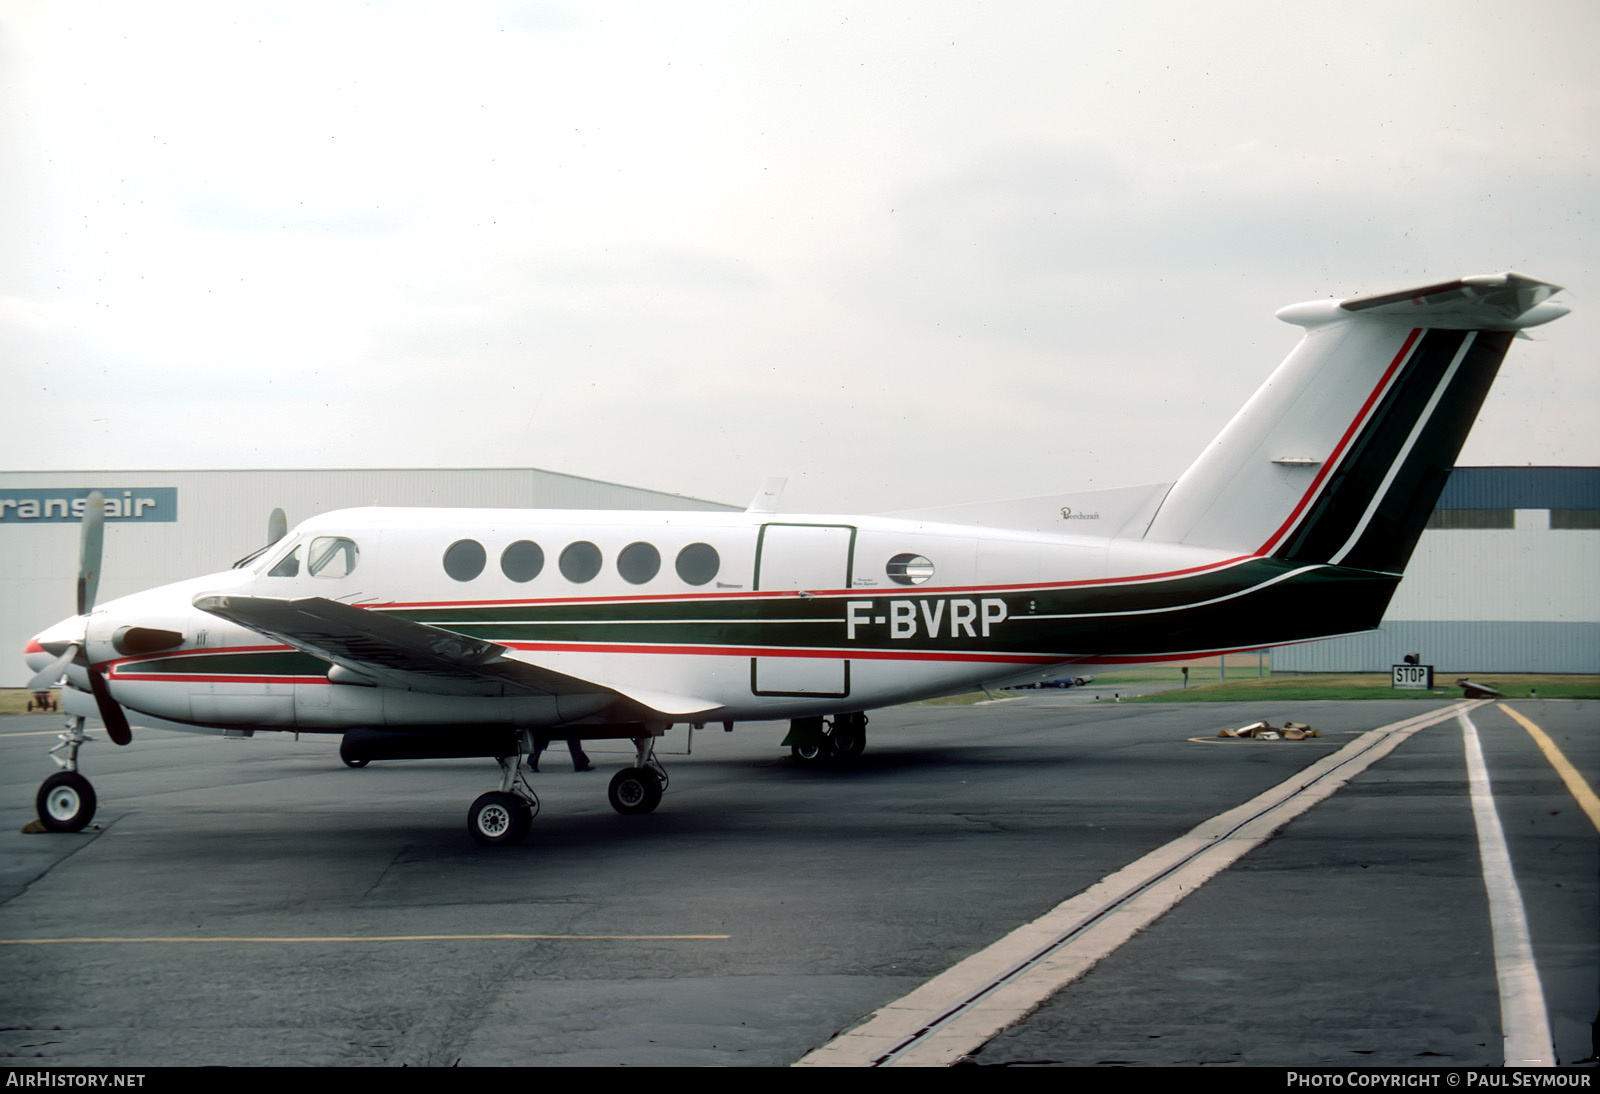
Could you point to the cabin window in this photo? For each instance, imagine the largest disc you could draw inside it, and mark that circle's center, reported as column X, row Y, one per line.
column 909, row 569
column 331, row 556
column 580, row 562
column 464, row 559
column 698, row 563
column 638, row 563
column 288, row 565
column 522, row 561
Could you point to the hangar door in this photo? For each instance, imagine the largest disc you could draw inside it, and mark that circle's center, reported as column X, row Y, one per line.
column 804, row 557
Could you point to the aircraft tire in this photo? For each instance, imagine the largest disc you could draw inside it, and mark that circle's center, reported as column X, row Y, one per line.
column 849, row 736
column 66, row 802
column 812, row 754
column 635, row 790
column 498, row 818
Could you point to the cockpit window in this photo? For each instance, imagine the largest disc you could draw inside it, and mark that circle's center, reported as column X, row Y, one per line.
column 331, row 556
column 288, row 565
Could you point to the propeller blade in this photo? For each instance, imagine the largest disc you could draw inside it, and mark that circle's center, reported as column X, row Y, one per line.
column 91, row 538
column 110, row 712
column 277, row 527
column 47, row 677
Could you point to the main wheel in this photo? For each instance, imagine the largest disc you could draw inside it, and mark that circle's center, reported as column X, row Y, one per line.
column 635, row 790
column 813, row 752
column 849, row 736
column 66, row 802
column 497, row 818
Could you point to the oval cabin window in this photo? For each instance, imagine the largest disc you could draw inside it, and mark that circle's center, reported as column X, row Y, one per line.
column 464, row 559
column 522, row 561
column 580, row 562
column 638, row 563
column 698, row 563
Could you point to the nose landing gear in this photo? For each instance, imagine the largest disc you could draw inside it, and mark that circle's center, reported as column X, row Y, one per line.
column 66, row 800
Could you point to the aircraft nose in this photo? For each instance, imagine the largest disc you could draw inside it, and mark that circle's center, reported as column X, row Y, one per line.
column 53, row 641
column 50, row 653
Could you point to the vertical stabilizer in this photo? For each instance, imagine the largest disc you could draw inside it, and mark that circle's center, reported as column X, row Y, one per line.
column 1340, row 456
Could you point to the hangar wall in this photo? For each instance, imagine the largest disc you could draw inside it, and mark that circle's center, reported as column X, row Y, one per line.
column 1506, row 578
column 183, row 524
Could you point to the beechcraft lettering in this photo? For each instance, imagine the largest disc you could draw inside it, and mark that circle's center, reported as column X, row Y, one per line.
column 926, row 618
column 450, row 633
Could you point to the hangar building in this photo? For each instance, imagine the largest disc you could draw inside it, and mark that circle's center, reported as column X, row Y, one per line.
column 1506, row 578
column 164, row 526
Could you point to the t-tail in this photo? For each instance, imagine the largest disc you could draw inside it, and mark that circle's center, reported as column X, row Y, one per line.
column 1339, row 458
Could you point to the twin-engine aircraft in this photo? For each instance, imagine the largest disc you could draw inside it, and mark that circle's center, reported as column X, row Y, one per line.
column 488, row 632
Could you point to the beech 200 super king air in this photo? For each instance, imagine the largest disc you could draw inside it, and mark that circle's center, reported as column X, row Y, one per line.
column 485, row 632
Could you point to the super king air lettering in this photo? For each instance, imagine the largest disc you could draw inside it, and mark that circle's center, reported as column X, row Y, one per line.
column 926, row 617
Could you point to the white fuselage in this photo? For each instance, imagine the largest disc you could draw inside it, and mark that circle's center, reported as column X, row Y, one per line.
column 748, row 616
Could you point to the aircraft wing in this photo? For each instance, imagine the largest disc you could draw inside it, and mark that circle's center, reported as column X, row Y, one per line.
column 383, row 649
column 380, row 648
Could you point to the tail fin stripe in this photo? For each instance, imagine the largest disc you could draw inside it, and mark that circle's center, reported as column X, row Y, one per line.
column 1405, row 449
column 1372, row 454
column 1333, row 459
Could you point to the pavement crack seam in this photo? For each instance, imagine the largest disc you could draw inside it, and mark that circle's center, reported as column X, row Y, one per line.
column 963, row 1008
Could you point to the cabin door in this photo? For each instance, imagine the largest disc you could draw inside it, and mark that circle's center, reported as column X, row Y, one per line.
column 804, row 558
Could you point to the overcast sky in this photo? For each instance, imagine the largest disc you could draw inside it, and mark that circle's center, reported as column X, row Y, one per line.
column 904, row 253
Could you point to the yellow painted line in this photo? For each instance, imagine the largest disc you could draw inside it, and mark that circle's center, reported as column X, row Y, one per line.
column 388, row 938
column 1587, row 801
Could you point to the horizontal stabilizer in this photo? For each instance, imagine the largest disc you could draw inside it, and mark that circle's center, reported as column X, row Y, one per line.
column 1340, row 456
column 1502, row 301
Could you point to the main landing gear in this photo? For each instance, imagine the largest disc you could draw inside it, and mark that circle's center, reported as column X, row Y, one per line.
column 815, row 741
column 66, row 800
column 505, row 816
column 637, row 789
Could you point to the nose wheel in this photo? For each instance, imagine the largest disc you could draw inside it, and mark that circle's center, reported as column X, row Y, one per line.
column 66, row 802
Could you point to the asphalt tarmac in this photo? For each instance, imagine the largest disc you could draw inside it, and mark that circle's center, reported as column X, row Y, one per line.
column 255, row 902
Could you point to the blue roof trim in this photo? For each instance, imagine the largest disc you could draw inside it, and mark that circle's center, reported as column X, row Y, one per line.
column 1522, row 488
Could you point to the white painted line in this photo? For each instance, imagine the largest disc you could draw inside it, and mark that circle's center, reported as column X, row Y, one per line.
column 960, row 1010
column 1523, row 1023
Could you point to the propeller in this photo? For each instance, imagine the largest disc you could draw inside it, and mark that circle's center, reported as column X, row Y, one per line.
column 91, row 542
